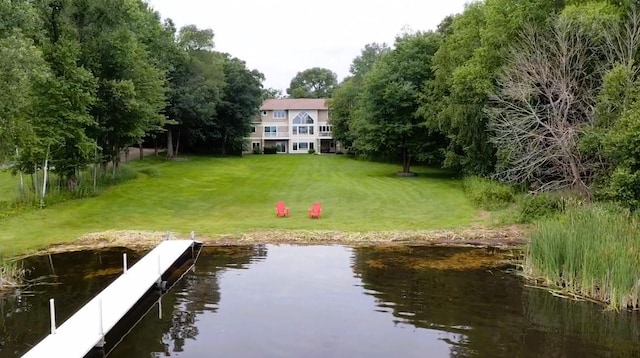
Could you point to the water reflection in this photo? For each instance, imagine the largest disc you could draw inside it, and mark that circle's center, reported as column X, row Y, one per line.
column 332, row 301
column 488, row 309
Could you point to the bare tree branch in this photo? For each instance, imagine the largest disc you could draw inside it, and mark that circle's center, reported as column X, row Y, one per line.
column 544, row 99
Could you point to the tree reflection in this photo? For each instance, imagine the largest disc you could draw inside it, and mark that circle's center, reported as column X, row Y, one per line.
column 487, row 311
column 195, row 294
column 24, row 315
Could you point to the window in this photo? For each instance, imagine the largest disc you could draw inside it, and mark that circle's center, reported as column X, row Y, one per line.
column 253, row 129
column 325, row 129
column 264, row 113
column 270, row 131
column 300, row 126
column 279, row 114
column 303, row 118
column 302, row 146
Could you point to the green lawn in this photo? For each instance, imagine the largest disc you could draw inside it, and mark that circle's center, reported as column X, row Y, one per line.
column 233, row 195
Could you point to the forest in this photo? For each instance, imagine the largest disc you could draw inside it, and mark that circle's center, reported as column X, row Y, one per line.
column 83, row 80
column 540, row 94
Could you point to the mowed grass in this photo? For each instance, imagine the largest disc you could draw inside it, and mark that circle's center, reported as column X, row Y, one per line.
column 214, row 196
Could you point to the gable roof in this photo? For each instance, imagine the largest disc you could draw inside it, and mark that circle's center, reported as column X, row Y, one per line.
column 293, row 103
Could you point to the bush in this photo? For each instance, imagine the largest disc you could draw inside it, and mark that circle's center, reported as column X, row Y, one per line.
column 257, row 150
column 339, row 152
column 270, row 150
column 488, row 194
column 533, row 207
column 312, row 151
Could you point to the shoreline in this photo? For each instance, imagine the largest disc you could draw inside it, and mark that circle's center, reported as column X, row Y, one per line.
column 501, row 238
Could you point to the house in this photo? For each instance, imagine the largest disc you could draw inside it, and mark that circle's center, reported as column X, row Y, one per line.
column 293, row 125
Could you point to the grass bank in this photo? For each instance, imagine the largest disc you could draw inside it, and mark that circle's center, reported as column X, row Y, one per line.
column 222, row 197
column 592, row 253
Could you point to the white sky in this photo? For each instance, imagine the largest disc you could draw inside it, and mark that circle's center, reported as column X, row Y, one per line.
column 283, row 37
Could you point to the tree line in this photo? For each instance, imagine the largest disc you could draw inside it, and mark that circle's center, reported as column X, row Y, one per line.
column 82, row 80
column 536, row 93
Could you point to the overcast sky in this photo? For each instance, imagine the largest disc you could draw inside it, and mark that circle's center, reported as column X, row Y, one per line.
column 283, row 37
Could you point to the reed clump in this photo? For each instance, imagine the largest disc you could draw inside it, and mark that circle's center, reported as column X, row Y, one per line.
column 11, row 275
column 591, row 252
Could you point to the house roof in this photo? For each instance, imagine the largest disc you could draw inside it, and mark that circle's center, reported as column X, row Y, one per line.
column 293, row 103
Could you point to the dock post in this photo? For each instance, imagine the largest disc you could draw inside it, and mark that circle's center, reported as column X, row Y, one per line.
column 52, row 308
column 100, row 325
column 124, row 263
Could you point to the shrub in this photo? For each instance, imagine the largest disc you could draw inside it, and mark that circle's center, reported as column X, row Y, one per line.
column 488, row 194
column 270, row 150
column 257, row 150
column 312, row 151
column 544, row 205
column 339, row 152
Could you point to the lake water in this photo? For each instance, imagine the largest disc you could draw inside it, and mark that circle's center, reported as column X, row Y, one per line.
column 329, row 301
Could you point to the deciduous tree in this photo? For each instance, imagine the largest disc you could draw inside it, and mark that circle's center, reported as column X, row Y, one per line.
column 313, row 83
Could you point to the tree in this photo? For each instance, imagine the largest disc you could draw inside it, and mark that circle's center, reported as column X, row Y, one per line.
column 268, row 93
column 242, row 96
column 345, row 98
column 196, row 81
column 115, row 40
column 542, row 105
column 193, row 39
column 313, row 83
column 385, row 122
column 23, row 69
column 613, row 139
column 466, row 67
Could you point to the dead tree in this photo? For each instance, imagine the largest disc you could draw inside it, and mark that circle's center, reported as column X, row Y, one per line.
column 544, row 100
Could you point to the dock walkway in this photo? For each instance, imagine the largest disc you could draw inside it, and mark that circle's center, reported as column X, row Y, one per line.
column 87, row 327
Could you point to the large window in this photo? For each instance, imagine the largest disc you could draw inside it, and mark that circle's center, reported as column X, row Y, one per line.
column 300, row 124
column 270, row 131
column 303, row 118
column 279, row 114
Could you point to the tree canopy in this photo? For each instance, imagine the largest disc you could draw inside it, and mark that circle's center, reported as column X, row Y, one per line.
column 84, row 80
column 313, row 83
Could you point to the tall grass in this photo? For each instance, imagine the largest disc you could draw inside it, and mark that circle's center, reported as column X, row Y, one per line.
column 14, row 202
column 11, row 275
column 592, row 252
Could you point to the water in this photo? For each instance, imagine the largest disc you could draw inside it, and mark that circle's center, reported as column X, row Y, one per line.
column 330, row 301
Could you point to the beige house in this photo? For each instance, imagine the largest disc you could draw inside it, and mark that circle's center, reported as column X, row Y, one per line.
column 293, row 125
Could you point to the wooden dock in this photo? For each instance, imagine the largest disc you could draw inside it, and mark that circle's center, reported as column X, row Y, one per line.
column 87, row 328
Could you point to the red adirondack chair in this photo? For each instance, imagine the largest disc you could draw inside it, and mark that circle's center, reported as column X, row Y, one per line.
column 315, row 211
column 281, row 209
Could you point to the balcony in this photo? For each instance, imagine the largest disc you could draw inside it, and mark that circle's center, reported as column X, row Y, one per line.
column 324, row 134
